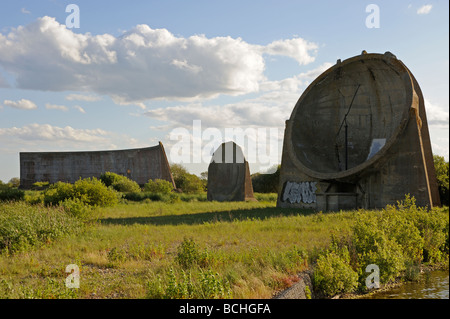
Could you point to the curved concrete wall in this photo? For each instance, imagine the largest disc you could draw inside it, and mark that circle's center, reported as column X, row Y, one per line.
column 229, row 175
column 139, row 164
column 387, row 145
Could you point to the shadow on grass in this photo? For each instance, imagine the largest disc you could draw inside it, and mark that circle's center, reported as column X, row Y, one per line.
column 211, row 217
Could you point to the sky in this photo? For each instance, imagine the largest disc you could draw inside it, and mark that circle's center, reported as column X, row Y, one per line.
column 104, row 75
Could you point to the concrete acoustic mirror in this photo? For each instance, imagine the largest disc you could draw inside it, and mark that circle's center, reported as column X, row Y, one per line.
column 358, row 138
column 139, row 165
column 229, row 175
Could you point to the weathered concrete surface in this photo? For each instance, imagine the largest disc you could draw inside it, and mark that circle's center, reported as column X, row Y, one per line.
column 139, row 165
column 229, row 175
column 299, row 290
column 359, row 135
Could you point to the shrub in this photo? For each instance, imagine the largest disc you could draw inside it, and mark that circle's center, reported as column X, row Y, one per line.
column 57, row 193
column 432, row 226
column 441, row 167
column 266, row 197
column 34, row 197
column 397, row 239
column 192, row 184
column 189, row 254
column 157, row 197
column 201, row 197
column 119, row 182
column 266, row 183
column 333, row 274
column 188, row 183
column 90, row 191
column 40, row 185
column 23, row 225
column 213, row 286
column 183, row 285
column 14, row 182
column 11, row 194
column 159, row 186
column 77, row 208
column 374, row 246
column 179, row 289
column 109, row 178
column 126, row 185
column 93, row 192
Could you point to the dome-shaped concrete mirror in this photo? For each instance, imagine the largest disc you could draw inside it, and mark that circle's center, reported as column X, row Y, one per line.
column 357, row 123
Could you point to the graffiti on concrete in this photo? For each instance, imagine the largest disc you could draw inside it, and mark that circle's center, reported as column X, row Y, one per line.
column 300, row 192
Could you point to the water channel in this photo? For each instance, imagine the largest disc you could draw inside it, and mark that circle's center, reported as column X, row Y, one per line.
column 433, row 285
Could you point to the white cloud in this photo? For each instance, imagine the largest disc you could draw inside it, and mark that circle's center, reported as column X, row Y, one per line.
column 294, row 83
column 81, row 97
column 39, row 137
column 141, row 64
column 297, row 48
column 436, row 115
column 425, row 9
column 24, row 10
column 56, row 107
column 22, row 104
column 270, row 109
column 47, row 132
column 441, row 149
column 79, row 108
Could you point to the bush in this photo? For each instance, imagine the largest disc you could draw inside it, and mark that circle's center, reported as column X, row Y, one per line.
column 11, row 194
column 34, row 197
column 109, row 178
column 333, row 274
column 23, row 226
column 158, row 186
column 374, row 244
column 89, row 191
column 57, row 193
column 189, row 254
column 188, row 183
column 397, row 239
column 192, row 184
column 183, row 285
column 77, row 208
column 156, row 197
column 40, row 185
column 266, row 183
column 94, row 193
column 266, row 197
column 119, row 182
column 441, row 167
column 201, row 197
column 14, row 182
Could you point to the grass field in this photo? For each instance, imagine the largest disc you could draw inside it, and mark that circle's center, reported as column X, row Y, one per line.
column 194, row 249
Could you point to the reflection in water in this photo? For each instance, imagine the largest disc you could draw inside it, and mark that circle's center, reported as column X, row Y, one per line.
column 434, row 285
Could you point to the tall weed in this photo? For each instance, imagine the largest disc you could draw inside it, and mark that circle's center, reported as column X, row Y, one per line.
column 23, row 226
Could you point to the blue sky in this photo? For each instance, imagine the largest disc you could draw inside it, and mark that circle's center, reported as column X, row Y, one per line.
column 136, row 71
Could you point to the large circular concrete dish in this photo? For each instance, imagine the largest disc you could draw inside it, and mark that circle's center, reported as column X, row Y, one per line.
column 348, row 118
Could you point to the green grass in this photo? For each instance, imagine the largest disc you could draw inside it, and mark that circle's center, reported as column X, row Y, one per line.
column 140, row 250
